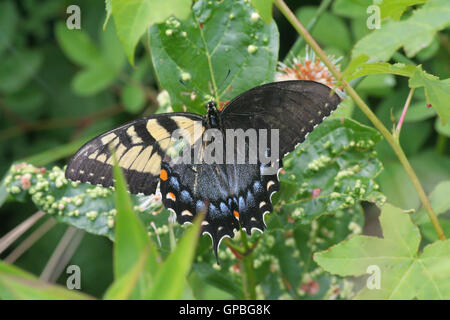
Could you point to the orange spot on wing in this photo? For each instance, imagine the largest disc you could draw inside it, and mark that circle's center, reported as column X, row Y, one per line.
column 236, row 214
column 223, row 104
column 163, row 175
column 171, row 196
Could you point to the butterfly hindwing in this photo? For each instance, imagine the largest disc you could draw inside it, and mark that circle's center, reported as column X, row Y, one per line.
column 231, row 196
column 140, row 147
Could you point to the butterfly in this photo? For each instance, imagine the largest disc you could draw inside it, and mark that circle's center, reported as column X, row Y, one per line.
column 232, row 195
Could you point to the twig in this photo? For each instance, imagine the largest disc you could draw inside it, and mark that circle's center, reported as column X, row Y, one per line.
column 15, row 233
column 49, row 124
column 67, row 255
column 30, row 240
column 54, row 260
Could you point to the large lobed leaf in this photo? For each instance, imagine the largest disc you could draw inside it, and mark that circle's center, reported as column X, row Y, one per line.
column 388, row 9
column 333, row 169
column 88, row 207
column 437, row 91
column 405, row 273
column 189, row 56
column 440, row 201
column 413, row 34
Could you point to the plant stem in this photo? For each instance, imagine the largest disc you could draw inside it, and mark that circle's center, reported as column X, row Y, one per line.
column 402, row 117
column 367, row 111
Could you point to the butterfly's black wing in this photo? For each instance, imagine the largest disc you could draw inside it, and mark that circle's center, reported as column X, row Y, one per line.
column 240, row 194
column 140, row 147
column 294, row 107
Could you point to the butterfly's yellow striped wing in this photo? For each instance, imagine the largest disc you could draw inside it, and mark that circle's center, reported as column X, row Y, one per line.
column 140, row 147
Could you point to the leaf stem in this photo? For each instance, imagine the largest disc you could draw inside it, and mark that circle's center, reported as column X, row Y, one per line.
column 402, row 117
column 211, row 71
column 289, row 15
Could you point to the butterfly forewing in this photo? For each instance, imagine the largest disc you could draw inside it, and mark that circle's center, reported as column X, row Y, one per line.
column 140, row 147
column 295, row 108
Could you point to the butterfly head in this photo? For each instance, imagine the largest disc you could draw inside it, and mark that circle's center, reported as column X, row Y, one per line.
column 212, row 114
column 211, row 106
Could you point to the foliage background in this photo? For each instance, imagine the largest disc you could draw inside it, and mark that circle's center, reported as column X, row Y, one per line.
column 59, row 88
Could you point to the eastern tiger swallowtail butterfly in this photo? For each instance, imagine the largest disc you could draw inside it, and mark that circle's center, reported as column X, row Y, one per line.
column 231, row 195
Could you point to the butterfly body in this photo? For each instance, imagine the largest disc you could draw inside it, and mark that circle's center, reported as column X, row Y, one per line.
column 232, row 195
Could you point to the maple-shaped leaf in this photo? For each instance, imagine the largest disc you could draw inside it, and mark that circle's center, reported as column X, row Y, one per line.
column 404, row 272
column 413, row 34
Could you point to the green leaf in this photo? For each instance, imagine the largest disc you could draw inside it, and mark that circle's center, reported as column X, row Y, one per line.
column 93, row 80
column 218, row 279
column 405, row 274
column 194, row 52
column 442, row 129
column 111, row 48
column 81, row 205
column 170, row 280
column 18, row 68
column 333, row 169
column 377, row 84
column 77, row 45
column 133, row 17
column 351, row 8
column 122, row 288
column 133, row 98
column 131, row 239
column 27, row 102
column 430, row 51
column 429, row 232
column 3, row 192
column 395, row 184
column 358, row 68
column 437, row 92
column 18, row 284
column 8, row 22
column 339, row 38
column 264, row 8
column 413, row 34
column 417, row 112
column 108, row 9
column 101, row 64
column 395, row 9
column 440, row 201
